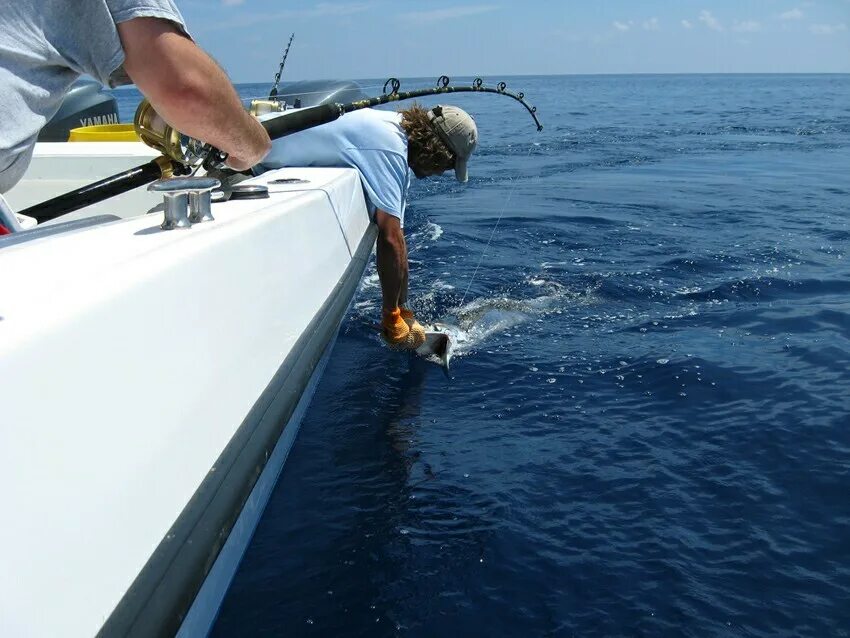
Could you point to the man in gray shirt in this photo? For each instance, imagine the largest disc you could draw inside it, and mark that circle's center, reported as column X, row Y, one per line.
column 45, row 45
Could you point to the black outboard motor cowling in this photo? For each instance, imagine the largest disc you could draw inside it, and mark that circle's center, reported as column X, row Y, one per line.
column 86, row 104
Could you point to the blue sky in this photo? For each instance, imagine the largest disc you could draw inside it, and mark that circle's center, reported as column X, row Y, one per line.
column 380, row 38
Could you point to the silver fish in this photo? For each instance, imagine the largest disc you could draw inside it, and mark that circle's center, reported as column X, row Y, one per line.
column 440, row 341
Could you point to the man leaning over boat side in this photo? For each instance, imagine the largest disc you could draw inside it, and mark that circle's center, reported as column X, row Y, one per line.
column 386, row 147
column 45, row 45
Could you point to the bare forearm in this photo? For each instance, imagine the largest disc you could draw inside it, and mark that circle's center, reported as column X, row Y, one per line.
column 205, row 106
column 392, row 270
column 392, row 260
column 402, row 295
column 190, row 91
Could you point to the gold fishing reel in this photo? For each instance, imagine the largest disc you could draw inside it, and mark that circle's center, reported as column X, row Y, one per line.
column 262, row 107
column 158, row 134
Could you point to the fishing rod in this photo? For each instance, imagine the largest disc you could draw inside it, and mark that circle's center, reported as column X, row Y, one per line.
column 324, row 113
column 302, row 119
column 181, row 155
column 273, row 92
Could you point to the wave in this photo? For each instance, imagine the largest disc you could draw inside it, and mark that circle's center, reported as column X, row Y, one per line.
column 769, row 289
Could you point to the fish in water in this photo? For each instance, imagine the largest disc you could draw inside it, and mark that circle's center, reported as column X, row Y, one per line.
column 473, row 324
column 440, row 340
column 477, row 323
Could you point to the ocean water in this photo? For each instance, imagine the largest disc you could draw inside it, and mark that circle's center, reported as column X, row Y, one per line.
column 647, row 431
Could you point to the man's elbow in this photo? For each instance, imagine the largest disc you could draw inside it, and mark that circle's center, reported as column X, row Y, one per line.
column 391, row 243
column 390, row 232
column 187, row 90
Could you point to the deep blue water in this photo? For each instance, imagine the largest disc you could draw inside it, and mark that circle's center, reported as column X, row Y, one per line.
column 649, row 430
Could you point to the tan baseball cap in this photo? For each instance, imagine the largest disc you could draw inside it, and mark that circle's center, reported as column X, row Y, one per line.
column 457, row 130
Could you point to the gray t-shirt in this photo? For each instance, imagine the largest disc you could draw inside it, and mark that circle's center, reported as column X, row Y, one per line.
column 45, row 45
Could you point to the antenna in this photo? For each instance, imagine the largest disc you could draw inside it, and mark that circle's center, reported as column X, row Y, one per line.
column 273, row 92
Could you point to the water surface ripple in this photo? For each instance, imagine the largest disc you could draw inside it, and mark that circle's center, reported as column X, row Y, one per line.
column 647, row 433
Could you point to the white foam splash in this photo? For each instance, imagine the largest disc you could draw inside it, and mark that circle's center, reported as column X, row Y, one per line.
column 371, row 280
column 428, row 232
column 480, row 319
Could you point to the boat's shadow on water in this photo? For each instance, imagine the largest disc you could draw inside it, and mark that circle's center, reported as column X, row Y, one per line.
column 346, row 499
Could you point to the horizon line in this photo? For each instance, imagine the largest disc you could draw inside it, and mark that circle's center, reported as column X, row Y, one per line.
column 538, row 75
column 557, row 75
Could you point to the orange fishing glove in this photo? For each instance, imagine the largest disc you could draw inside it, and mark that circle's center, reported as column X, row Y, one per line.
column 397, row 333
column 416, row 328
column 395, row 330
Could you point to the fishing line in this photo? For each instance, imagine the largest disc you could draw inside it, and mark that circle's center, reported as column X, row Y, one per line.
column 493, row 232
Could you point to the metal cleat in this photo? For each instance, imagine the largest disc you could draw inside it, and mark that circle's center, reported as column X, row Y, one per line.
column 187, row 200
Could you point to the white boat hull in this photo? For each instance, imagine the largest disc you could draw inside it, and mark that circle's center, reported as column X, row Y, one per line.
column 201, row 616
column 147, row 377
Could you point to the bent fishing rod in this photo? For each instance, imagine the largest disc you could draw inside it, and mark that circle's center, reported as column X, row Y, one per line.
column 182, row 155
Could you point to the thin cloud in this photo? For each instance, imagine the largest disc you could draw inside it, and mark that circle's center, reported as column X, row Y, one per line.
column 232, row 3
column 451, row 13
column 687, row 24
column 791, row 14
column 827, row 29
column 651, row 24
column 747, row 26
column 710, row 21
column 622, row 26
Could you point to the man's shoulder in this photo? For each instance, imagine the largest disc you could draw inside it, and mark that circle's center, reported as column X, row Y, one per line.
column 373, row 118
column 378, row 131
column 378, row 115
